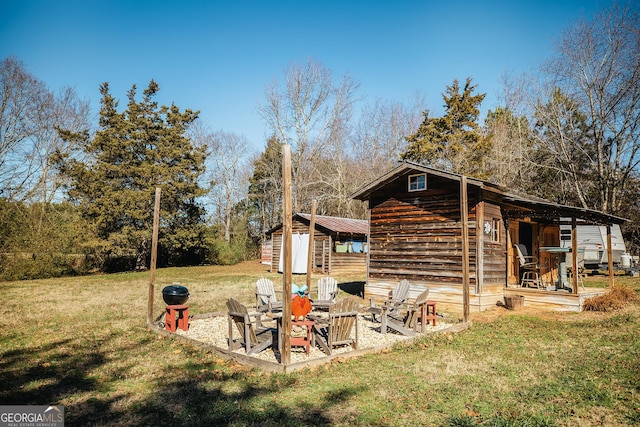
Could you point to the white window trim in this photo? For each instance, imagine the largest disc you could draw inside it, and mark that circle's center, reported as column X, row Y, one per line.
column 417, row 189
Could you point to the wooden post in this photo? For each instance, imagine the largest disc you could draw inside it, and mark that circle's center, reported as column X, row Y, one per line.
column 610, row 256
column 330, row 259
column 312, row 228
column 324, row 255
column 364, row 291
column 464, row 224
column 287, row 253
column 480, row 237
column 574, row 254
column 154, row 256
column 511, row 265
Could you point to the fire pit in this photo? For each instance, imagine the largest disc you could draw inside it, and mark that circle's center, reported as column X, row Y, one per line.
column 175, row 294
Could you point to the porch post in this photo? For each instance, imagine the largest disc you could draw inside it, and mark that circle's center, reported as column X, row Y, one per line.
column 464, row 223
column 330, row 254
column 610, row 256
column 368, row 247
column 574, row 254
column 480, row 247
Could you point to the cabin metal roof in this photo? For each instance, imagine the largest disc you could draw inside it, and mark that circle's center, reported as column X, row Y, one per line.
column 514, row 203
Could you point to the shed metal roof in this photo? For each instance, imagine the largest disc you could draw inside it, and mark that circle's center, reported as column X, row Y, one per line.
column 333, row 224
column 340, row 225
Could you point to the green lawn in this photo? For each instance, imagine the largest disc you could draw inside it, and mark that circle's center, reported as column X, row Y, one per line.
column 83, row 343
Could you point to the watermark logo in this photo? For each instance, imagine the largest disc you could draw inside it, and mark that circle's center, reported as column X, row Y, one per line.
column 31, row 416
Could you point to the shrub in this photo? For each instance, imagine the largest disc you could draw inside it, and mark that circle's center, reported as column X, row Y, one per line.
column 223, row 253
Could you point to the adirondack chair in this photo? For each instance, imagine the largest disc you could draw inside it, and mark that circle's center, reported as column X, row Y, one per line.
column 327, row 293
column 395, row 301
column 253, row 336
column 336, row 329
column 266, row 299
column 405, row 321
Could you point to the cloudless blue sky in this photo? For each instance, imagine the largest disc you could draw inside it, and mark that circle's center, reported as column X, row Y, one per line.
column 218, row 56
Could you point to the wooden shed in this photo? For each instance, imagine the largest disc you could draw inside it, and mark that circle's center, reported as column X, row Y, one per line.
column 340, row 244
column 415, row 233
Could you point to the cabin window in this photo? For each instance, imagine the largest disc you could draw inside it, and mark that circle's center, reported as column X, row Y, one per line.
column 350, row 246
column 341, row 247
column 418, row 182
column 495, row 230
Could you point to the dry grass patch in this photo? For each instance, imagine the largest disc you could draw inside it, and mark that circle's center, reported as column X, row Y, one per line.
column 617, row 298
column 84, row 344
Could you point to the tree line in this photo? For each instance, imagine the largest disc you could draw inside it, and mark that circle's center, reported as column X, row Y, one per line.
column 77, row 197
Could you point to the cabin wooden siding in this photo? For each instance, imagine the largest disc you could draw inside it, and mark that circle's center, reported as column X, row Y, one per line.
column 347, row 263
column 494, row 254
column 325, row 260
column 417, row 236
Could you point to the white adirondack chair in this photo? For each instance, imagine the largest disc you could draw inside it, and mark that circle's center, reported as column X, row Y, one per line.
column 266, row 299
column 327, row 293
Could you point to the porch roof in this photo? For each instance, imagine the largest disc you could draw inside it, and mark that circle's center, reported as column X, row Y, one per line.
column 339, row 224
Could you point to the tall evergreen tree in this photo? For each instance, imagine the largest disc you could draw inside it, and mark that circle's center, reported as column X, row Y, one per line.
column 452, row 142
column 132, row 153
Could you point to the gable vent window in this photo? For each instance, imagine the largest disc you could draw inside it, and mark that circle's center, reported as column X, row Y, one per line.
column 418, row 182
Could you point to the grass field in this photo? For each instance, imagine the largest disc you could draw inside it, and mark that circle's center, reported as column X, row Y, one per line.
column 83, row 343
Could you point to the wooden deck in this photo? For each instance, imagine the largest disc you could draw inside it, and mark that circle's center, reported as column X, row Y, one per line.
column 449, row 298
column 555, row 300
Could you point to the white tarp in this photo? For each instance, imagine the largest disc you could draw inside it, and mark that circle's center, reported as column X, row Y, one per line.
column 299, row 252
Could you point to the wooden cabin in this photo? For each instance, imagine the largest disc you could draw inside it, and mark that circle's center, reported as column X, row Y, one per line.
column 416, row 229
column 340, row 244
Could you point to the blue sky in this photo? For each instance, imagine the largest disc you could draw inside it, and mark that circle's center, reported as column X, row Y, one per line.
column 217, row 57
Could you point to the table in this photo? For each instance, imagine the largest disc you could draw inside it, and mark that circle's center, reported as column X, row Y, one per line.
column 562, row 264
column 305, row 341
column 429, row 314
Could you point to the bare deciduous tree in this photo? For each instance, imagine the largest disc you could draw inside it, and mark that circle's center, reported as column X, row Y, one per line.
column 309, row 112
column 597, row 67
column 379, row 136
column 29, row 117
column 510, row 162
column 228, row 175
